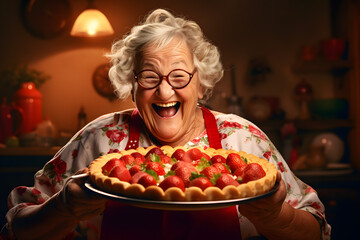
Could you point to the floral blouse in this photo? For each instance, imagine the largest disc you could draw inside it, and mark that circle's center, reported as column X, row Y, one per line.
column 109, row 133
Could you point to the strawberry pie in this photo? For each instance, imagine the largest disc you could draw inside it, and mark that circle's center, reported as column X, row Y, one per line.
column 180, row 174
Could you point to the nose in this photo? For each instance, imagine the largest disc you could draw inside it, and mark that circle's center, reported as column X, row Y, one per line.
column 164, row 90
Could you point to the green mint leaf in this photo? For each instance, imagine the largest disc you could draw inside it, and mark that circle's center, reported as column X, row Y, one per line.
column 152, row 173
column 195, row 175
column 170, row 173
column 204, row 163
column 155, row 158
column 214, row 178
column 244, row 159
column 173, row 161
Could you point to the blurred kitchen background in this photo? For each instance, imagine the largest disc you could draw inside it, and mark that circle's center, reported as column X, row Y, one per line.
column 291, row 67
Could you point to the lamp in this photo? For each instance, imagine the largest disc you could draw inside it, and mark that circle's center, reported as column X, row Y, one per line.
column 91, row 23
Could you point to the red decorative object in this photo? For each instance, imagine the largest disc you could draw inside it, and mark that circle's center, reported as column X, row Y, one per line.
column 333, row 48
column 30, row 100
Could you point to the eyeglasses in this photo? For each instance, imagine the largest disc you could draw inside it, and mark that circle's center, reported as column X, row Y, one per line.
column 177, row 78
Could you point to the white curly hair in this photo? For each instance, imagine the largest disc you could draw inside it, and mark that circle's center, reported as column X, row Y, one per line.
column 159, row 28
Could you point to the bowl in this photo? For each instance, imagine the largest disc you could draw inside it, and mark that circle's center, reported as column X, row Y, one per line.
column 333, row 146
column 329, row 108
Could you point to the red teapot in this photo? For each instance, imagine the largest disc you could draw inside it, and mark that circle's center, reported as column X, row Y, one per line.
column 11, row 120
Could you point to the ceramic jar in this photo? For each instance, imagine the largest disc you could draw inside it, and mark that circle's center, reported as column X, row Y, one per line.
column 30, row 100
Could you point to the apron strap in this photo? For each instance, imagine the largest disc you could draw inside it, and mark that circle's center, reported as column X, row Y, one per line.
column 134, row 130
column 211, row 128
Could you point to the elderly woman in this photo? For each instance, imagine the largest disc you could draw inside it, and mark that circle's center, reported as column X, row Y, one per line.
column 167, row 65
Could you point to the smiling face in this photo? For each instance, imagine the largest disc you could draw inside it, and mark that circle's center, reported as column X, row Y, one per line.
column 171, row 115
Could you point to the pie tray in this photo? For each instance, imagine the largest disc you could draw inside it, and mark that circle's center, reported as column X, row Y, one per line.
column 177, row 205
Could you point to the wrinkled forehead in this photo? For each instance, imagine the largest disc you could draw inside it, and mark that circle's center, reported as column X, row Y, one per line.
column 174, row 42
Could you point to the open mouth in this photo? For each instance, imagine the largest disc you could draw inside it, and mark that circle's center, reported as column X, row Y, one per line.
column 166, row 109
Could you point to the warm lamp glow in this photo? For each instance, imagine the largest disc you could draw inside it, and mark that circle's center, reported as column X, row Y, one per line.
column 91, row 23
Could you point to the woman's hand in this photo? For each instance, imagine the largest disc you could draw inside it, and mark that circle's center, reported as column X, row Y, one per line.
column 78, row 201
column 266, row 209
column 276, row 219
column 56, row 217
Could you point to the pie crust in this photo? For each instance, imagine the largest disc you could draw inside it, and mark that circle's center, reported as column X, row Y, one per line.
column 249, row 189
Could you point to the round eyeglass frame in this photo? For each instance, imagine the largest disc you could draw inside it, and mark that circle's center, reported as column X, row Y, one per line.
column 166, row 77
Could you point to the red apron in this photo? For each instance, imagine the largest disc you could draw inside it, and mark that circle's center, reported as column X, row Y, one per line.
column 122, row 221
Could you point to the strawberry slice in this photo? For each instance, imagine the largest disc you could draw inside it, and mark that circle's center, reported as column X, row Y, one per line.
column 147, row 180
column 172, row 181
column 157, row 167
column 217, row 159
column 106, row 169
column 225, row 180
column 201, row 182
column 234, row 161
column 121, row 172
column 253, row 171
column 137, row 176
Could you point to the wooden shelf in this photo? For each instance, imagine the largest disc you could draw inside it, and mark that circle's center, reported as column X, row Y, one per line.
column 320, row 65
column 29, row 151
column 325, row 124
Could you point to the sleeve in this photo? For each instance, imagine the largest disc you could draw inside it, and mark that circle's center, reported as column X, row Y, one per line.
column 99, row 137
column 240, row 134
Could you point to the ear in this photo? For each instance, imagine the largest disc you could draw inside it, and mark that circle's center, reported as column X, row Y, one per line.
column 200, row 92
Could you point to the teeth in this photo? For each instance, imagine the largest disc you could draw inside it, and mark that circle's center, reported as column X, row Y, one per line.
column 166, row 104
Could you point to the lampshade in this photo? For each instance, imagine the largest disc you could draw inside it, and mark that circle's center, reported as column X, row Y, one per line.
column 91, row 23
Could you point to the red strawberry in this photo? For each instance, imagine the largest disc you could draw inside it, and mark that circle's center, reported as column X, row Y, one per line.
column 165, row 159
column 147, row 180
column 210, row 171
column 201, row 182
column 137, row 176
column 221, row 167
column 225, row 180
column 120, row 172
column 106, row 169
column 180, row 164
column 192, row 154
column 172, row 181
column 204, row 155
column 157, row 167
column 134, row 169
column 128, row 159
column 185, row 173
column 155, row 150
column 240, row 171
column 253, row 171
column 234, row 161
column 178, row 154
column 139, row 158
column 218, row 159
